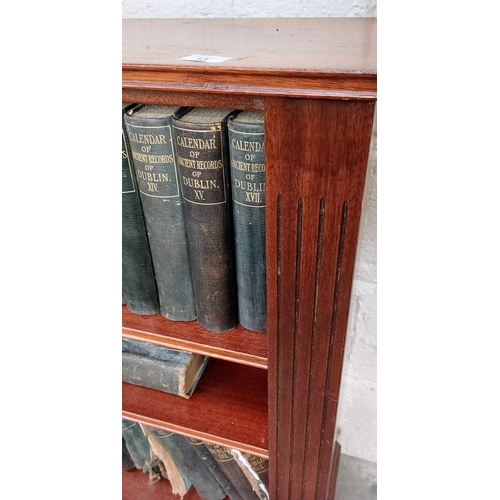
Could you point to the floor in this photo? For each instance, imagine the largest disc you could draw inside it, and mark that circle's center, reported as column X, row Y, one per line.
column 356, row 480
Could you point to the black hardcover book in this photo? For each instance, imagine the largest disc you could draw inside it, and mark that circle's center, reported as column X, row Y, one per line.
column 214, row 468
column 203, row 162
column 233, row 471
column 190, row 464
column 139, row 291
column 161, row 368
column 149, row 130
column 256, row 469
column 260, row 466
column 247, row 158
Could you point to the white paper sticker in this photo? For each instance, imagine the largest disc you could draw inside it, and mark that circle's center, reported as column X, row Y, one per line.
column 200, row 58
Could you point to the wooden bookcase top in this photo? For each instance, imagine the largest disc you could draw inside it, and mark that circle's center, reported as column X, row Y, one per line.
column 308, row 57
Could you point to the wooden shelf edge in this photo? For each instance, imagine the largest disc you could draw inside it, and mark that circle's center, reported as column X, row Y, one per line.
column 185, row 431
column 186, row 345
column 321, row 92
column 238, row 346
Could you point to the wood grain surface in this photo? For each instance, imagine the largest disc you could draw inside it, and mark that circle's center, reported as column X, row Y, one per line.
column 312, row 57
column 228, row 407
column 316, row 157
column 239, row 345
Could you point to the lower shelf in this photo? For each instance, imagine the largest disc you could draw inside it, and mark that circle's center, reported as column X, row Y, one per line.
column 228, row 407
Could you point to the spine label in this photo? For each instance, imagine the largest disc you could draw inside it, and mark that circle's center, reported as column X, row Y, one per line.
column 248, row 168
column 155, row 168
column 258, row 464
column 221, row 454
column 201, row 166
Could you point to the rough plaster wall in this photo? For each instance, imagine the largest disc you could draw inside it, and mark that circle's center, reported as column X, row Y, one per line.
column 356, row 424
column 245, row 8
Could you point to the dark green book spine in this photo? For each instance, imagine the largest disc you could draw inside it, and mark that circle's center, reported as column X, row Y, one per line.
column 203, row 163
column 247, row 158
column 189, row 463
column 212, row 465
column 158, row 367
column 139, row 291
column 127, row 462
column 150, row 134
column 137, row 444
column 233, row 471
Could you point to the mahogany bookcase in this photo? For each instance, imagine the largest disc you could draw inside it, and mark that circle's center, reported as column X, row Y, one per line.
column 272, row 394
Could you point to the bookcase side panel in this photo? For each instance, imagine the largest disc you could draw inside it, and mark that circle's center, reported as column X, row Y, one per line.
column 316, row 158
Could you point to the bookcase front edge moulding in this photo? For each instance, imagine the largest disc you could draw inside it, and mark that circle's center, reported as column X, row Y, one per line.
column 273, row 394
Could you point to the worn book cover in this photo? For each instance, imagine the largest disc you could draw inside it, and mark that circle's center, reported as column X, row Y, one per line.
column 248, row 184
column 228, row 464
column 213, row 466
column 139, row 291
column 179, row 482
column 203, row 162
column 256, row 469
column 137, row 445
column 149, row 130
column 161, row 368
column 189, row 464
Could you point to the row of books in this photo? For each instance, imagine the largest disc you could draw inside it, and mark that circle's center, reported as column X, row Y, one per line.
column 193, row 183
column 216, row 472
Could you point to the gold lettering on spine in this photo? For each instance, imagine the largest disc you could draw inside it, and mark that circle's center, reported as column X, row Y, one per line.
column 252, row 190
column 259, row 464
column 190, row 142
column 147, row 138
column 248, row 168
column 204, row 181
column 222, row 454
column 248, row 145
column 154, row 160
column 253, row 186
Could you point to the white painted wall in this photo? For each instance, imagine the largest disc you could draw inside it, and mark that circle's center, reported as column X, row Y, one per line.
column 357, row 414
column 356, row 426
column 246, row 8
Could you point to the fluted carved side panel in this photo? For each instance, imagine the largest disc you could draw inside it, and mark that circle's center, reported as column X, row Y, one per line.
column 316, row 156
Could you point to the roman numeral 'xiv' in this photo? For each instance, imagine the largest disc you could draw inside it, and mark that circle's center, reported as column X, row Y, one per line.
column 152, row 186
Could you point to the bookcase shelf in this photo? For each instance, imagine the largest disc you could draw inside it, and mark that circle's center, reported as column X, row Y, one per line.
column 239, row 345
column 228, row 407
column 316, row 81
